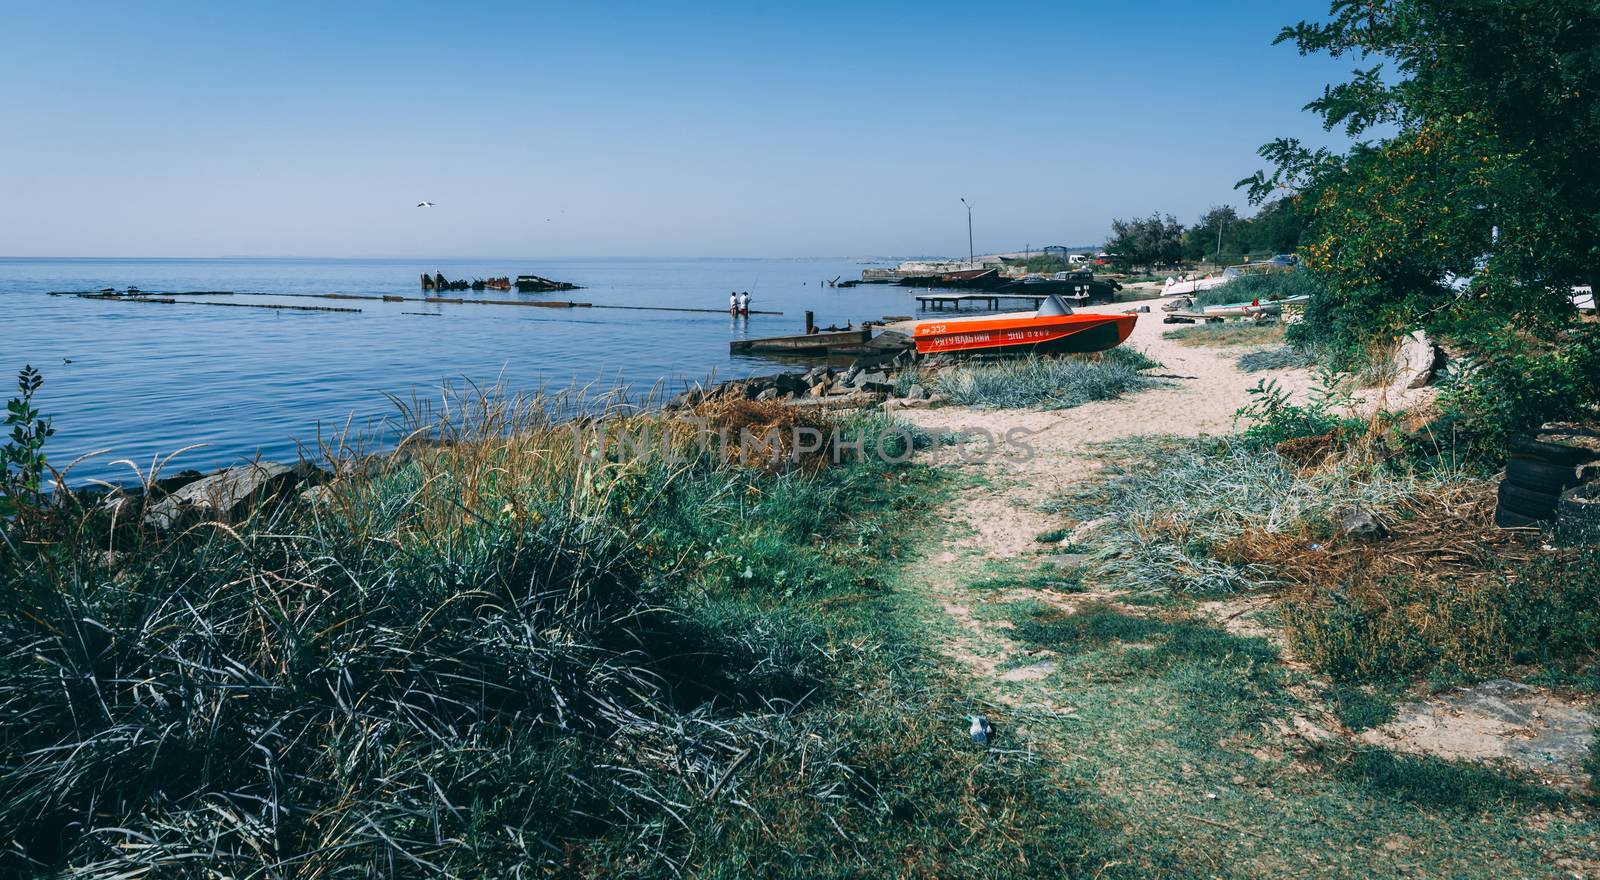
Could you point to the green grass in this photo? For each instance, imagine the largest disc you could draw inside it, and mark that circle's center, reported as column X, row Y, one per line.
column 1284, row 357
column 1361, row 708
column 1543, row 614
column 500, row 656
column 1047, row 383
column 1265, row 286
column 1438, row 784
column 1227, row 333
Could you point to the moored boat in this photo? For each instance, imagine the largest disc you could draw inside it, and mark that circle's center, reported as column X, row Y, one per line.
column 1053, row 328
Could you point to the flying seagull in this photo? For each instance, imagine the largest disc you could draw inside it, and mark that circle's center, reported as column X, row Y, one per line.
column 424, row 204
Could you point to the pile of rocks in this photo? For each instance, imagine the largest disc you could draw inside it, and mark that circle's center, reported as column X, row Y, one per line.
column 867, row 382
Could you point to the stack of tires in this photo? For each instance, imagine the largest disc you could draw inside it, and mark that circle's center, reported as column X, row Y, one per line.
column 1540, row 470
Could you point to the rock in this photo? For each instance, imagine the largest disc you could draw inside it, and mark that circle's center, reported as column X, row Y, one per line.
column 1082, row 531
column 1359, row 525
column 1415, row 363
column 876, row 380
column 225, row 495
column 767, row 394
column 818, row 390
column 916, row 392
column 317, row 495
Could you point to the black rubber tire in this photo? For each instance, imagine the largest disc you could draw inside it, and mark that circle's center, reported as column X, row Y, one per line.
column 1554, row 453
column 1506, row 519
column 1581, row 517
column 1541, row 476
column 1535, row 504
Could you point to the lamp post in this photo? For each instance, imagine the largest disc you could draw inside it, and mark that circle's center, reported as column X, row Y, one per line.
column 971, row 254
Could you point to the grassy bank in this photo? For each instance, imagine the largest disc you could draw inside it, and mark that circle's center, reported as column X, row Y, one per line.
column 495, row 655
column 1227, row 333
column 1044, row 382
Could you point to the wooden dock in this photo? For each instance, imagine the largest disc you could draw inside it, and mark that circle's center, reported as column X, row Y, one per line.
column 940, row 301
column 816, row 344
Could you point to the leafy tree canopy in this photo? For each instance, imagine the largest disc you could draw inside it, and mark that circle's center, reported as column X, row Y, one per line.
column 1471, row 203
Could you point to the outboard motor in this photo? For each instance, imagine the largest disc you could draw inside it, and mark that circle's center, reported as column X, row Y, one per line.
column 1053, row 307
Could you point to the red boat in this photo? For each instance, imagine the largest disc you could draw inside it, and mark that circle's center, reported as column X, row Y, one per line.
column 1053, row 328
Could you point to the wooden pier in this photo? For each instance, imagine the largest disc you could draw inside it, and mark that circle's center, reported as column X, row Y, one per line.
column 819, row 343
column 939, row 301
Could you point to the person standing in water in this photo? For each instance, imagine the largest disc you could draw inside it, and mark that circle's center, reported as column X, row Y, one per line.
column 733, row 302
column 744, row 303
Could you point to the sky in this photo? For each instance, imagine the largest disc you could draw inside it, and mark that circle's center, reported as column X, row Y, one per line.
column 604, row 129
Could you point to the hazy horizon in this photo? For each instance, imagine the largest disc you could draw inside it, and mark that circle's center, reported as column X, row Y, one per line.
column 631, row 131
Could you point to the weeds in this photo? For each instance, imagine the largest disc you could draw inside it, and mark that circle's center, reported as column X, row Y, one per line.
column 1174, row 505
column 1358, row 627
column 1049, row 383
column 1284, row 357
column 500, row 650
column 1273, row 418
column 1227, row 333
column 22, row 458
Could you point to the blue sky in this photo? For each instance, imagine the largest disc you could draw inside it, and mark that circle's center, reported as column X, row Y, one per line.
column 562, row 129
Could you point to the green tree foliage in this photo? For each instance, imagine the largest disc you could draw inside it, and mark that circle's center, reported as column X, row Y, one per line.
column 1473, row 206
column 1209, row 237
column 1151, row 241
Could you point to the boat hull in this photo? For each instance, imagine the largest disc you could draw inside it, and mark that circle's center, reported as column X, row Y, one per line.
column 1077, row 334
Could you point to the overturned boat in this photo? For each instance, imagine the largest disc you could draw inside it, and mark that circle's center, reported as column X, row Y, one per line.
column 1053, row 328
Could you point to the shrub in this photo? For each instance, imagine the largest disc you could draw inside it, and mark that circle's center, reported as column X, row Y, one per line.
column 1284, row 357
column 1264, row 286
column 1050, row 383
column 1545, row 611
column 1273, row 418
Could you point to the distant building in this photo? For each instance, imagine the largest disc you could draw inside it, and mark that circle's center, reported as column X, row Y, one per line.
column 1055, row 250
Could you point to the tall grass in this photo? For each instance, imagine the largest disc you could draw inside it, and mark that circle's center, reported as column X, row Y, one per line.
column 498, row 652
column 1048, row 383
column 1170, row 503
column 1265, row 286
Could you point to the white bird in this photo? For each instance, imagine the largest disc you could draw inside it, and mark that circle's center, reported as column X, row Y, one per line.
column 424, row 204
column 980, row 729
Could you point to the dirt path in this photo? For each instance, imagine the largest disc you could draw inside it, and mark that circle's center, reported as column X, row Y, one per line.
column 1188, row 788
column 995, row 517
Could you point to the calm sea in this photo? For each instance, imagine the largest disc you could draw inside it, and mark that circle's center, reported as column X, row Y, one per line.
column 142, row 380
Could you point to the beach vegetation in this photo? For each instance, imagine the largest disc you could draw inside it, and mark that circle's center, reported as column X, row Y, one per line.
column 1047, row 382
column 1469, row 208
column 1282, row 357
column 500, row 650
column 22, row 457
column 1227, row 333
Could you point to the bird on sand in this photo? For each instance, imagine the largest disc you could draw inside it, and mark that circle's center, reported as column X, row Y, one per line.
column 424, row 204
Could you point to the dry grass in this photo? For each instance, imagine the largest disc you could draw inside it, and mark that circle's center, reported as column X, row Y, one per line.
column 760, row 433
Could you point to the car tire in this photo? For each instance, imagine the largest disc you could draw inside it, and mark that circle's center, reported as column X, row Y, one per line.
column 1554, row 453
column 1507, row 519
column 1541, row 476
column 1539, row 505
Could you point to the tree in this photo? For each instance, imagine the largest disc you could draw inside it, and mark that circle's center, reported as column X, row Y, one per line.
column 1152, row 241
column 1478, row 208
column 1208, row 238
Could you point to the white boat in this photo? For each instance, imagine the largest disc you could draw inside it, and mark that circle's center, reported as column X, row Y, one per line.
column 1174, row 287
column 1583, row 298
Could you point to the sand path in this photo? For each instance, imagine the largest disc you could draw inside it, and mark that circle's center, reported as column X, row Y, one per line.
column 1005, row 518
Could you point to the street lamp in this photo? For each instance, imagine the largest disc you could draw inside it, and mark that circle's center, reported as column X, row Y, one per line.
column 972, row 259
